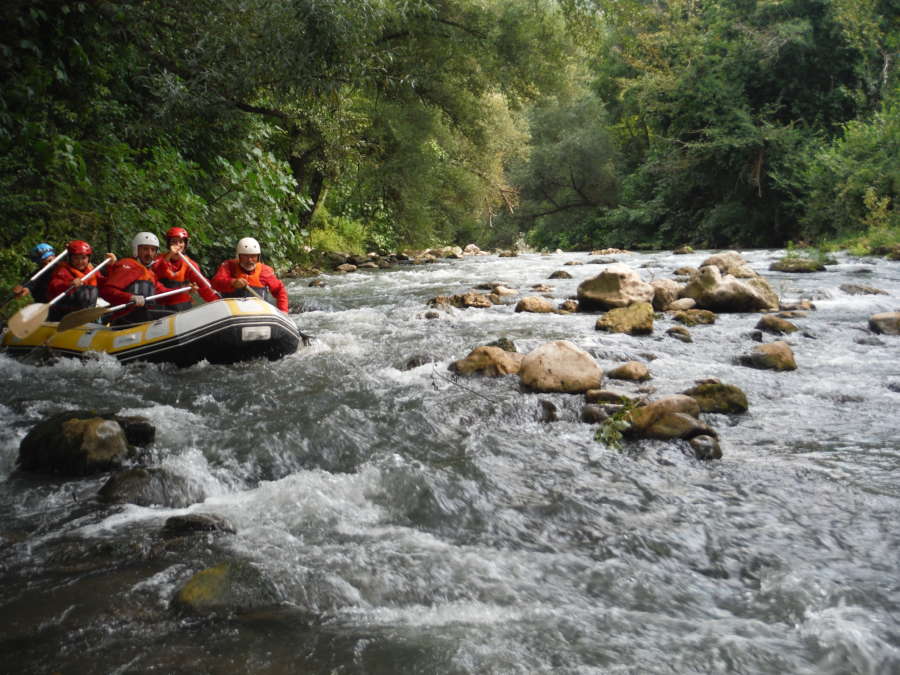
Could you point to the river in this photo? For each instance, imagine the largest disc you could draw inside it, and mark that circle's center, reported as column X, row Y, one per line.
column 408, row 522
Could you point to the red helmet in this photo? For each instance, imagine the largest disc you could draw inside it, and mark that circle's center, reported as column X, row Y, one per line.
column 79, row 247
column 177, row 233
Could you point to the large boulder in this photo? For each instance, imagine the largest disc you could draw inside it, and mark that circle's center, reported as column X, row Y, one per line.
column 490, row 361
column 560, row 366
column 887, row 323
column 617, row 286
column 712, row 291
column 78, row 443
column 731, row 262
column 636, row 319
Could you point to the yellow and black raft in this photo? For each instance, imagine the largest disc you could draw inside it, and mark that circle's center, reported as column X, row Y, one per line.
column 224, row 331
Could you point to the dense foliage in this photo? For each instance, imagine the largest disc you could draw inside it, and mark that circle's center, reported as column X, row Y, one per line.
column 396, row 123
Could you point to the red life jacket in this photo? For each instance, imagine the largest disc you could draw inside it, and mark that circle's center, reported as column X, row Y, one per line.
column 78, row 298
column 254, row 281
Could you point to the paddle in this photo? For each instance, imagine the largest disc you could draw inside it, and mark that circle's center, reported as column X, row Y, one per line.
column 39, row 273
column 82, row 316
column 28, row 319
column 197, row 272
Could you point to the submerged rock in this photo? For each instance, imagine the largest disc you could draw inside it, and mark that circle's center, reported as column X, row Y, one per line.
column 197, row 522
column 228, row 588
column 150, row 487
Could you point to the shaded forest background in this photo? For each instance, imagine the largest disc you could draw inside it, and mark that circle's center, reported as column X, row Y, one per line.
column 386, row 124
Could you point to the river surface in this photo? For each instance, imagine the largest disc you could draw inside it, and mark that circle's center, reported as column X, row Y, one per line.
column 407, row 522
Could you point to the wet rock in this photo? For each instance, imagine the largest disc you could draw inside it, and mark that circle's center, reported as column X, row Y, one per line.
column 682, row 304
column 887, row 323
column 869, row 340
column 78, row 443
column 730, row 262
column 536, row 305
column 668, row 418
column 894, row 386
column 715, row 397
column 150, row 487
column 756, row 335
column 686, row 272
column 706, row 447
column 489, row 361
column 606, row 396
column 229, row 588
column 797, row 265
column 573, row 262
column 775, row 325
column 617, row 286
column 548, row 412
column 560, row 366
column 542, row 288
column 345, row 268
column 772, row 356
column 665, row 292
column 461, row 301
column 683, row 249
column 632, row 370
column 431, row 314
column 504, row 343
column 680, row 333
column 197, row 522
column 419, row 360
column 560, row 274
column 594, row 414
column 860, row 289
column 802, row 306
column 316, row 283
column 568, row 307
column 727, row 293
column 636, row 319
column 695, row 317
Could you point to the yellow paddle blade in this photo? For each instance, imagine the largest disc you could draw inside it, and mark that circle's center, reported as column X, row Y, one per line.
column 81, row 316
column 28, row 319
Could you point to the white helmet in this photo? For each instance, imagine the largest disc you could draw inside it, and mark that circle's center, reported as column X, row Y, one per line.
column 248, row 245
column 143, row 239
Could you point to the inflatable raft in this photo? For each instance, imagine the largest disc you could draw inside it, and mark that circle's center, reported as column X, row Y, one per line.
column 224, row 331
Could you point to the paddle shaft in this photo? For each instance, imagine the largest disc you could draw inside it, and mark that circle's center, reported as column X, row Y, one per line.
column 147, row 299
column 197, row 272
column 82, row 316
column 84, row 278
column 46, row 268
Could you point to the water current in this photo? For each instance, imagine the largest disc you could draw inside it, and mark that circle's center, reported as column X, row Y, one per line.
column 402, row 521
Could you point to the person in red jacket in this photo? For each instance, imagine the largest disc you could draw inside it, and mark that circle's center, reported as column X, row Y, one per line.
column 173, row 271
column 69, row 277
column 132, row 280
column 235, row 276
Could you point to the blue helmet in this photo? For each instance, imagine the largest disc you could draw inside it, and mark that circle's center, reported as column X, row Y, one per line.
column 41, row 252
